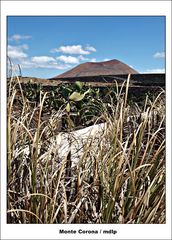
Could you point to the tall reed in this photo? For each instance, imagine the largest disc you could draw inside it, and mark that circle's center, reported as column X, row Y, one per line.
column 119, row 179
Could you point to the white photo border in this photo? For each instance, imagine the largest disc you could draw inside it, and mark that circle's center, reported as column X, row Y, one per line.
column 85, row 8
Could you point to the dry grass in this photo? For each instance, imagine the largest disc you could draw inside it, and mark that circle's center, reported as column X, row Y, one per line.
column 121, row 179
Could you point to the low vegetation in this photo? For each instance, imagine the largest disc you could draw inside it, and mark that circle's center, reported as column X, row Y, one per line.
column 120, row 180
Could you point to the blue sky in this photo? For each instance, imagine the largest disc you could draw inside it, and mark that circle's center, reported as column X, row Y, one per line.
column 47, row 46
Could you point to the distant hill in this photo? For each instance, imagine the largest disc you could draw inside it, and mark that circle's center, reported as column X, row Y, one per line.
column 112, row 67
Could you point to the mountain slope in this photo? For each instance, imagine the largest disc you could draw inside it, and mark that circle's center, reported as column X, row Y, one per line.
column 111, row 67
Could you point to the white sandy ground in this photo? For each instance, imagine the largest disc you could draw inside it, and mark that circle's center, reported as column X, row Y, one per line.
column 73, row 142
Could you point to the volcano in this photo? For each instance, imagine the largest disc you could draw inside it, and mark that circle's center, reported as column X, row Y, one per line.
column 112, row 67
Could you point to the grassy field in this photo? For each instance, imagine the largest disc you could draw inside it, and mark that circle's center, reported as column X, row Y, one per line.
column 119, row 179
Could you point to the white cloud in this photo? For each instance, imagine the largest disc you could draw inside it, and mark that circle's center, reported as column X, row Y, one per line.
column 18, row 56
column 62, row 62
column 42, row 59
column 82, row 58
column 93, row 60
column 90, row 48
column 18, row 37
column 106, row 59
column 24, row 46
column 16, row 52
column 68, row 59
column 44, row 62
column 27, row 63
column 74, row 49
column 159, row 55
column 47, row 65
column 155, row 70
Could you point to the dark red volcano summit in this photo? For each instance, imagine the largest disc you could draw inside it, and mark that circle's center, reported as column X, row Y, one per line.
column 112, row 67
